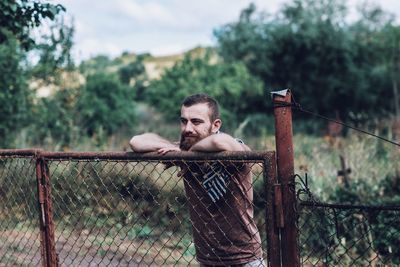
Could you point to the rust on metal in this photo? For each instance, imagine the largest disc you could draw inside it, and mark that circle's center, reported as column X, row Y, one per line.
column 50, row 237
column 19, row 152
column 153, row 156
column 274, row 255
column 119, row 155
column 47, row 240
column 280, row 221
column 42, row 220
column 285, row 163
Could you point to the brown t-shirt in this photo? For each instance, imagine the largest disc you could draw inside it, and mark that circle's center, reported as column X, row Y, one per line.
column 220, row 197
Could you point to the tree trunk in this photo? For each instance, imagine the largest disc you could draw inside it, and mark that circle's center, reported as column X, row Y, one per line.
column 396, row 98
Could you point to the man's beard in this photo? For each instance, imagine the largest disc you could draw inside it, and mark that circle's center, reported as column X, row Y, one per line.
column 187, row 141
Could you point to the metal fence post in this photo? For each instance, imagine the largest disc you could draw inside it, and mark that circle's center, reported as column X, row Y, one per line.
column 270, row 179
column 42, row 220
column 285, row 164
column 47, row 241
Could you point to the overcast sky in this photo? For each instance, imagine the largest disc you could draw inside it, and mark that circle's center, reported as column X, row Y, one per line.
column 160, row 27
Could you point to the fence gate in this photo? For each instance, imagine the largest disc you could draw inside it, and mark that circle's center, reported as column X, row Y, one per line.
column 115, row 209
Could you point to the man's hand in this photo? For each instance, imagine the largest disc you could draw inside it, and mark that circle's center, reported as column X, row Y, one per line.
column 168, row 148
column 150, row 142
column 183, row 171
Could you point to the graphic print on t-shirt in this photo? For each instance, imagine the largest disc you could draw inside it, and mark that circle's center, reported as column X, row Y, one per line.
column 216, row 182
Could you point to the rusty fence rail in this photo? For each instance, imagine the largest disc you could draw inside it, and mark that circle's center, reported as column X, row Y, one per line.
column 113, row 209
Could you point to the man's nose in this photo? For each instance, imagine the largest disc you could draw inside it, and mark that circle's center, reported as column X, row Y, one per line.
column 189, row 128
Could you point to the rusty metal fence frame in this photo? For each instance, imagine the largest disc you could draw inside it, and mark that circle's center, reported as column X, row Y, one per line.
column 48, row 253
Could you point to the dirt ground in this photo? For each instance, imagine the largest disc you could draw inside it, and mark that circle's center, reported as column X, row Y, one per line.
column 84, row 248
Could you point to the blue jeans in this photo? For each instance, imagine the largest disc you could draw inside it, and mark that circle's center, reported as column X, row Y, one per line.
column 256, row 263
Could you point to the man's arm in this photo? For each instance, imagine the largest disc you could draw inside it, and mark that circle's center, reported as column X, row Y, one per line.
column 218, row 143
column 150, row 142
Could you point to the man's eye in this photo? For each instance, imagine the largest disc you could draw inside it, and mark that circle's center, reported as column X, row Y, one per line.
column 196, row 122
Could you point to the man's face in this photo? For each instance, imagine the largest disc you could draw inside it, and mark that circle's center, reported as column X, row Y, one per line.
column 196, row 124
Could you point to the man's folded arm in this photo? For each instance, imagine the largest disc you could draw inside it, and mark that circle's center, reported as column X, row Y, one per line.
column 218, row 143
column 150, row 142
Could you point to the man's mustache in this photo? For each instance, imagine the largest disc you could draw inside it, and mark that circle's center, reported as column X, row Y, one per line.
column 189, row 135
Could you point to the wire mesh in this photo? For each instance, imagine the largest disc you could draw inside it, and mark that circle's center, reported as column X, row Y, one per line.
column 19, row 215
column 348, row 235
column 137, row 212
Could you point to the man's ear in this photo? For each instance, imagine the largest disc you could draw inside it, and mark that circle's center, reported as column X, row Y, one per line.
column 216, row 125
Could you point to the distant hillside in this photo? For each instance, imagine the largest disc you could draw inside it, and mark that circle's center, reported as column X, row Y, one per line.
column 154, row 67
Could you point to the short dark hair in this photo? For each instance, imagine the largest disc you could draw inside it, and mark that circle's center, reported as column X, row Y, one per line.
column 203, row 98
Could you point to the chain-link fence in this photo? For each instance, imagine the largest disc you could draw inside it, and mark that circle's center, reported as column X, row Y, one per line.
column 19, row 215
column 125, row 209
column 347, row 234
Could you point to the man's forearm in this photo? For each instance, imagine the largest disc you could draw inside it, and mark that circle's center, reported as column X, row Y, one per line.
column 217, row 143
column 148, row 142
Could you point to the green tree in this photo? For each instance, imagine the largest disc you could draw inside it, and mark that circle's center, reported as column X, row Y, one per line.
column 54, row 52
column 132, row 70
column 15, row 97
column 55, row 120
column 377, row 30
column 392, row 55
column 105, row 105
column 134, row 74
column 19, row 17
column 231, row 84
column 309, row 47
column 99, row 63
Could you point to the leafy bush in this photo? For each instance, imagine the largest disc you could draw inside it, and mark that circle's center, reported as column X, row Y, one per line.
column 105, row 105
column 15, row 96
column 55, row 119
column 231, row 84
column 309, row 47
column 19, row 17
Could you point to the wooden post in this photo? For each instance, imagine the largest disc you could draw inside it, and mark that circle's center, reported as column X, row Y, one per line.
column 285, row 166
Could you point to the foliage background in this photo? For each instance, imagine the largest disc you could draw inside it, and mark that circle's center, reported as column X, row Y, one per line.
column 343, row 69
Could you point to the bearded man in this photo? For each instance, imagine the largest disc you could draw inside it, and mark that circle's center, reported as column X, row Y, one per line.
column 220, row 196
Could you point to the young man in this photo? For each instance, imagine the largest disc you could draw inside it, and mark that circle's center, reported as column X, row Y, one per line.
column 219, row 195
